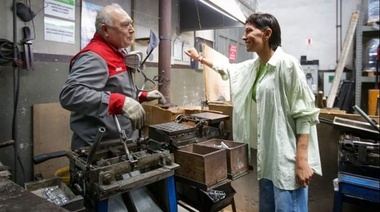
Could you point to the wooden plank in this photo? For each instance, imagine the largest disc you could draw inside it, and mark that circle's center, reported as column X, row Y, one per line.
column 343, row 58
column 51, row 132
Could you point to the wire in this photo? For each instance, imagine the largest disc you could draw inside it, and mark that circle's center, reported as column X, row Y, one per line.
column 29, row 5
column 34, row 28
column 6, row 51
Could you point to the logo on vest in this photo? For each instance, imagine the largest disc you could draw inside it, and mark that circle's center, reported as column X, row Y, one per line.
column 118, row 69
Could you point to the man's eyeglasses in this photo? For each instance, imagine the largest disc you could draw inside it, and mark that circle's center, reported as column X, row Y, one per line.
column 124, row 25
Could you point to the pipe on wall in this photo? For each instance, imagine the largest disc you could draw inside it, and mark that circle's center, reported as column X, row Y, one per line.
column 15, row 92
column 164, row 58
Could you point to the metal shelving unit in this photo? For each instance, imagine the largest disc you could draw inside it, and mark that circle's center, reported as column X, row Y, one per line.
column 363, row 33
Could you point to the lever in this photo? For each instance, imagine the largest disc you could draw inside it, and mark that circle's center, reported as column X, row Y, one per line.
column 123, row 139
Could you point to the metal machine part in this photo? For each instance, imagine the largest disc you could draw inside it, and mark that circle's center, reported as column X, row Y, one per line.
column 97, row 171
column 360, row 153
column 104, row 177
column 171, row 135
column 123, row 138
column 198, row 127
column 359, row 128
column 367, row 118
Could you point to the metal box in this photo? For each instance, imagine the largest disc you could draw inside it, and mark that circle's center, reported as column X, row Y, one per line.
column 203, row 164
column 75, row 203
column 178, row 134
column 236, row 153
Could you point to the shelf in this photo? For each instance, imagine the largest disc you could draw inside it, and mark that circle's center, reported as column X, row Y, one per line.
column 370, row 79
column 363, row 34
column 369, row 29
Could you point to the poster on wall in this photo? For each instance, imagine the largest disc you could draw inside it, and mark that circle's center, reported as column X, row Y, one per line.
column 60, row 8
column 177, row 50
column 89, row 12
column 59, row 30
column 185, row 46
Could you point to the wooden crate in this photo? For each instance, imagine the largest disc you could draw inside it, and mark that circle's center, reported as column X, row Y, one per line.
column 202, row 164
column 76, row 202
column 236, row 153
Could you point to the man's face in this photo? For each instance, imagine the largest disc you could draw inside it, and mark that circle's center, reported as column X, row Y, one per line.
column 254, row 38
column 120, row 35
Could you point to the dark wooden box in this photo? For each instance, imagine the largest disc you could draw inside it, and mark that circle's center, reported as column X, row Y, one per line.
column 237, row 155
column 76, row 202
column 202, row 164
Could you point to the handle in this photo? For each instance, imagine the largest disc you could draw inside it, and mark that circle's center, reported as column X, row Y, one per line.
column 47, row 156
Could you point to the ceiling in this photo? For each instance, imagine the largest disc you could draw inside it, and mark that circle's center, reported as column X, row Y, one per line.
column 212, row 14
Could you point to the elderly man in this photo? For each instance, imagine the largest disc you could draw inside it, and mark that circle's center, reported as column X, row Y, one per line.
column 99, row 84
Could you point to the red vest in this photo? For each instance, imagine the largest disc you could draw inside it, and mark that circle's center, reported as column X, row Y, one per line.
column 114, row 59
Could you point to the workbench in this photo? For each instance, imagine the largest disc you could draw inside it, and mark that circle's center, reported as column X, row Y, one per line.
column 356, row 189
column 169, row 187
column 14, row 198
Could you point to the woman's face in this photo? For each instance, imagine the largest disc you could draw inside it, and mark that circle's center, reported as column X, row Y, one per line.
column 255, row 39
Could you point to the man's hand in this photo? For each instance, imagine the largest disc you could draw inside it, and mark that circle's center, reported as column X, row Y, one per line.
column 155, row 94
column 133, row 110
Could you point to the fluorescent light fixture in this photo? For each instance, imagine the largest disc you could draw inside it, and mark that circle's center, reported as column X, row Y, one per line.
column 217, row 9
column 229, row 8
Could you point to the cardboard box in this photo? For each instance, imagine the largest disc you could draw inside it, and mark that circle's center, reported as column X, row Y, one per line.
column 202, row 164
column 236, row 154
column 158, row 115
column 75, row 203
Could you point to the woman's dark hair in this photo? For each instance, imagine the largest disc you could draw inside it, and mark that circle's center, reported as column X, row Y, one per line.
column 263, row 21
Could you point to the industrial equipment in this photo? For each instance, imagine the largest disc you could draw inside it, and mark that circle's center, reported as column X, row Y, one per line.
column 96, row 172
column 358, row 161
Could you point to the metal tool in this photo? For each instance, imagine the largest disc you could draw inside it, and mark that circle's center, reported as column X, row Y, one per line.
column 29, row 58
column 366, row 117
column 95, row 146
column 123, row 139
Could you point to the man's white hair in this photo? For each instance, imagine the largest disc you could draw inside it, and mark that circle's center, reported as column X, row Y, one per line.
column 103, row 17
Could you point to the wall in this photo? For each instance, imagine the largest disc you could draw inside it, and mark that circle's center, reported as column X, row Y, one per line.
column 300, row 20
column 43, row 84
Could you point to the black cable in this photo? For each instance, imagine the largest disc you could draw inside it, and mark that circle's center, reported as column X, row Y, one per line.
column 6, row 51
column 34, row 28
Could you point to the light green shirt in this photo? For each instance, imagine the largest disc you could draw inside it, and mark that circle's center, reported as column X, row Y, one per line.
column 285, row 107
column 260, row 74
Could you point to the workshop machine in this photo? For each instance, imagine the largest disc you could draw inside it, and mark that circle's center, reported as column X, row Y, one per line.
column 104, row 169
column 359, row 146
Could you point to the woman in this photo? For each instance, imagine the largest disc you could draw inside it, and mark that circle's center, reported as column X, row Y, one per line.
column 285, row 114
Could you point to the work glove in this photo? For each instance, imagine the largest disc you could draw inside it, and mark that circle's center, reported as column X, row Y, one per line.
column 133, row 110
column 155, row 94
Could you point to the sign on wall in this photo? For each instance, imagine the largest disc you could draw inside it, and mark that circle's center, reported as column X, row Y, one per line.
column 60, row 8
column 59, row 30
column 232, row 52
column 88, row 16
